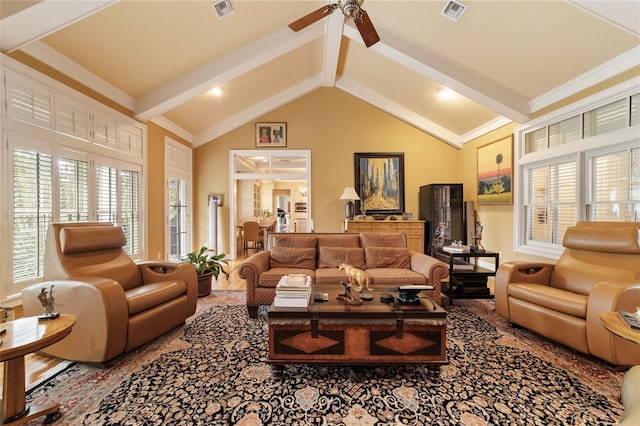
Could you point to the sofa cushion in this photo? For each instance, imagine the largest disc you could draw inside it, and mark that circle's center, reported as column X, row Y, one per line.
column 332, row 257
column 293, row 257
column 291, row 240
column 394, row 277
column 387, row 257
column 91, row 238
column 383, row 239
column 271, row 277
column 338, row 240
column 150, row 295
column 550, row 297
column 330, row 276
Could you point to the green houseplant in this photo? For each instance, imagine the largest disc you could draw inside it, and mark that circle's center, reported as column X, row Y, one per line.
column 206, row 265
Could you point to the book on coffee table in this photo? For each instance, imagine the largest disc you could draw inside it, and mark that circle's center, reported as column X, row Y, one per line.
column 293, row 291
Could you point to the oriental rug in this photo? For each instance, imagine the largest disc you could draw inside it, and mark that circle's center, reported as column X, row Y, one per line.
column 212, row 372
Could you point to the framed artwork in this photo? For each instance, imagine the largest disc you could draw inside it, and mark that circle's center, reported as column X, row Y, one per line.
column 379, row 181
column 271, row 135
column 495, row 172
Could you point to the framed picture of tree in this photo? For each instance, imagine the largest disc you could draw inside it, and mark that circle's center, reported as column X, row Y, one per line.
column 495, row 172
column 379, row 181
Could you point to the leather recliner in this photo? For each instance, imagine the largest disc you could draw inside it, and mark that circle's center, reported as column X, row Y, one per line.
column 118, row 304
column 598, row 272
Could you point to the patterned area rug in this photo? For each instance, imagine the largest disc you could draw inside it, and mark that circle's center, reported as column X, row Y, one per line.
column 212, row 372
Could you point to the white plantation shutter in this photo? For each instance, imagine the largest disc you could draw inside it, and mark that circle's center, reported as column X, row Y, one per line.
column 74, row 190
column 106, row 194
column 178, row 210
column 129, row 212
column 614, row 186
column 551, row 201
column 32, row 211
column 28, row 101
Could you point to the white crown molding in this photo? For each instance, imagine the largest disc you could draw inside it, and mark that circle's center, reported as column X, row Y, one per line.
column 44, row 18
column 172, row 127
column 487, row 127
column 610, row 11
column 58, row 61
column 257, row 110
column 398, row 111
column 615, row 66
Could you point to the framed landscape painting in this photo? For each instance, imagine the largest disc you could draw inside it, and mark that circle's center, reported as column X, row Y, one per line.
column 495, row 172
column 271, row 135
column 379, row 181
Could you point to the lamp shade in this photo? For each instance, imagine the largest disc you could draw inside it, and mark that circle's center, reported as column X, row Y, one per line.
column 349, row 193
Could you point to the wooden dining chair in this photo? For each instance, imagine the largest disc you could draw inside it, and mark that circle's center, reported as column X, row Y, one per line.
column 251, row 239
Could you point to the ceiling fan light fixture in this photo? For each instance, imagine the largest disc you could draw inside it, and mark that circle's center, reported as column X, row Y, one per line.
column 453, row 10
column 351, row 8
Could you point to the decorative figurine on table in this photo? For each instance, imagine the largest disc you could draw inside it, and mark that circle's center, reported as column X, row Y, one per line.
column 439, row 234
column 477, row 244
column 358, row 281
column 48, row 303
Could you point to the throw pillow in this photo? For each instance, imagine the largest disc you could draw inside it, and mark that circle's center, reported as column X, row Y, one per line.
column 332, row 257
column 280, row 240
column 382, row 239
column 293, row 257
column 387, row 257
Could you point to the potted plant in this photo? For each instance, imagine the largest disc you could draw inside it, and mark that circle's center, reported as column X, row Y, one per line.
column 206, row 265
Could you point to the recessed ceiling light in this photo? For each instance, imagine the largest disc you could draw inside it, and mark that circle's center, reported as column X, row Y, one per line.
column 446, row 93
column 216, row 91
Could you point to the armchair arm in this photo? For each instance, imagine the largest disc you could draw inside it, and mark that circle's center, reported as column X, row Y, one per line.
column 168, row 270
column 432, row 268
column 520, row 272
column 611, row 297
column 251, row 269
column 101, row 312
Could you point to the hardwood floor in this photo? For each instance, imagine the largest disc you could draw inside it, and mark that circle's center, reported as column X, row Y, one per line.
column 37, row 366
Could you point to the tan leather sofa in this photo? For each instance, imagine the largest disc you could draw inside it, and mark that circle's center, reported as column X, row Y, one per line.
column 384, row 256
column 119, row 304
column 599, row 271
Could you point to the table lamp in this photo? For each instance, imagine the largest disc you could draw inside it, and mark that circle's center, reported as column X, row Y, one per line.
column 349, row 194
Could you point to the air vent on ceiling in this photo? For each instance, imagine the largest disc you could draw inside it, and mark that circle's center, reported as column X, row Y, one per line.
column 453, row 10
column 223, row 8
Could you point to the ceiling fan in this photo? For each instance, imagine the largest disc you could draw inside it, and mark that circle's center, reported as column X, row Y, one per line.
column 351, row 9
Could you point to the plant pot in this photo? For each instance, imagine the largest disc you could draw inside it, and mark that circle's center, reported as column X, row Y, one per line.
column 204, row 284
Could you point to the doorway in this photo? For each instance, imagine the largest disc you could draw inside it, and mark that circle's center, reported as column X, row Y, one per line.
column 282, row 209
column 261, row 170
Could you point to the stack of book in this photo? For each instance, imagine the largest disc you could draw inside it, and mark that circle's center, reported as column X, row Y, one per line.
column 293, row 291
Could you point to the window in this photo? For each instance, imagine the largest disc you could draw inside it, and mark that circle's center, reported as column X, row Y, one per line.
column 178, row 199
column 43, row 193
column 579, row 164
column 32, row 211
column 614, row 186
column 178, row 230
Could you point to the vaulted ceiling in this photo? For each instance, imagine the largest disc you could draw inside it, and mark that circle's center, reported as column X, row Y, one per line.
column 505, row 60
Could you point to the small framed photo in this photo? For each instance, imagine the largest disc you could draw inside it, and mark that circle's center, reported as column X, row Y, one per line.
column 271, row 135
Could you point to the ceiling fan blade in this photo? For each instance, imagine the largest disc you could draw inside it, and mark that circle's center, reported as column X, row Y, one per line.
column 309, row 19
column 367, row 31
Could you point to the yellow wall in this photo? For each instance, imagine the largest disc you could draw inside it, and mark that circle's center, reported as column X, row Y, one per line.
column 333, row 125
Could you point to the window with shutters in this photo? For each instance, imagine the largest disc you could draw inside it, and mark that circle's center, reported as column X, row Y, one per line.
column 178, row 218
column 129, row 209
column 74, row 190
column 584, row 165
column 32, row 211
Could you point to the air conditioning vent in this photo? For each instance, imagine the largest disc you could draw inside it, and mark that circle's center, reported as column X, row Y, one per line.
column 453, row 10
column 223, row 8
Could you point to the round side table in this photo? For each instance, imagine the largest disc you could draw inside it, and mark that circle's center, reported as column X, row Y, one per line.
column 23, row 336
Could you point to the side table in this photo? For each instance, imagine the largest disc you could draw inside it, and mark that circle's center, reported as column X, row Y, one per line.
column 467, row 280
column 617, row 326
column 23, row 336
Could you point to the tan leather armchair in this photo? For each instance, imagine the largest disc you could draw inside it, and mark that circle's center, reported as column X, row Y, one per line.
column 598, row 272
column 119, row 304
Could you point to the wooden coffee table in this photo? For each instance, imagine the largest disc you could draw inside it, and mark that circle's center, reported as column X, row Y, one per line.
column 374, row 333
column 23, row 336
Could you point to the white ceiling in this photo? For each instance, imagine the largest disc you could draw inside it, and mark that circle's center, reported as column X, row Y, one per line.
column 506, row 60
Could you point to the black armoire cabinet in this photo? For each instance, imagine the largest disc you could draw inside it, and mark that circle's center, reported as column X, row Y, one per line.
column 442, row 202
